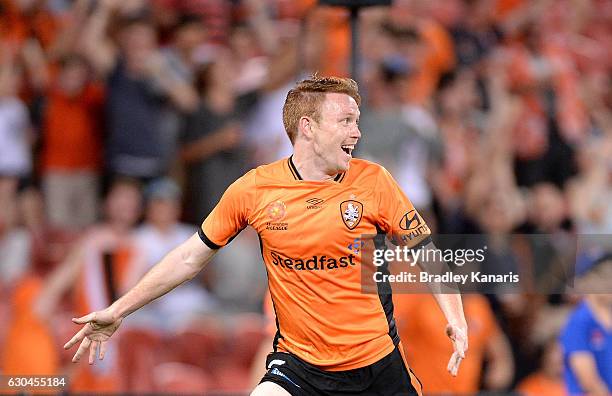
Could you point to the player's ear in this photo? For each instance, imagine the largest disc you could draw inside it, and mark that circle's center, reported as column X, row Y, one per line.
column 305, row 125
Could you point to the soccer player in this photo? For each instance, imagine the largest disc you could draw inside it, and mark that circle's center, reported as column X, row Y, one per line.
column 331, row 338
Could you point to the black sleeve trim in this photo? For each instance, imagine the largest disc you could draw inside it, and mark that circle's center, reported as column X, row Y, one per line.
column 207, row 241
column 422, row 243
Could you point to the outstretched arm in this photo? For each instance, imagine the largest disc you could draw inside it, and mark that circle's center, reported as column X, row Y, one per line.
column 180, row 265
column 449, row 300
column 400, row 219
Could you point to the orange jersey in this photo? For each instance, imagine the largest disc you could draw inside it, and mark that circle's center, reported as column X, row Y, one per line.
column 72, row 139
column 29, row 347
column 308, row 231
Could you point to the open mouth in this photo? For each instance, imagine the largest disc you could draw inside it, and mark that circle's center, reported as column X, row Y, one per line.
column 348, row 148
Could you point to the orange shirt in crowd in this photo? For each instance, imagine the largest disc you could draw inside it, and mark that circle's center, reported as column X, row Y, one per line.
column 439, row 58
column 306, row 229
column 71, row 137
column 29, row 348
column 571, row 113
column 332, row 26
column 17, row 27
column 538, row 384
column 336, row 56
column 504, row 8
column 295, row 9
column 421, row 326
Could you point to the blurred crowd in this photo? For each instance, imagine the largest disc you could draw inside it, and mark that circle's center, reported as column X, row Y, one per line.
column 123, row 121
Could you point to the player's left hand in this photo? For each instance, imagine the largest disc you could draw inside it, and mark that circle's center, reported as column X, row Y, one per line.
column 459, row 338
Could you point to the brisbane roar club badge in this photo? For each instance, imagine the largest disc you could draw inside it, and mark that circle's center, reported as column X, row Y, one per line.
column 351, row 212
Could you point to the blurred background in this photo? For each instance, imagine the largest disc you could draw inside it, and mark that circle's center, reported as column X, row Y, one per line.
column 123, row 121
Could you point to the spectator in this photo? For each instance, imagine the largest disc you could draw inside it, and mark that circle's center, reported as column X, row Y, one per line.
column 551, row 245
column 475, row 34
column 96, row 269
column 15, row 244
column 139, row 80
column 21, row 20
column 458, row 116
column 548, row 380
column 406, row 135
column 181, row 54
column 181, row 57
column 264, row 129
column 479, row 97
column 159, row 234
column 29, row 331
column 586, row 338
column 426, row 44
column 591, row 190
column 212, row 148
column 72, row 146
column 15, row 133
column 216, row 15
column 25, row 288
column 238, row 280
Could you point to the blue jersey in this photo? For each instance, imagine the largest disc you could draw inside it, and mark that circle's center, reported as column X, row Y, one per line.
column 583, row 333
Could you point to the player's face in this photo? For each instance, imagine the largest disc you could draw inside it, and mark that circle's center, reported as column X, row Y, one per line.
column 337, row 132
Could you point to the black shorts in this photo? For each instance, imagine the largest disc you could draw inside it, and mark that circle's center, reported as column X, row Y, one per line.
column 388, row 376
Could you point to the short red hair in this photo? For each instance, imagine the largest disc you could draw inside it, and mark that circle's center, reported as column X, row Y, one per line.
column 306, row 97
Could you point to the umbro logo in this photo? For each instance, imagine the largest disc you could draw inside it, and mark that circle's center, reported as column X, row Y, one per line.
column 314, row 203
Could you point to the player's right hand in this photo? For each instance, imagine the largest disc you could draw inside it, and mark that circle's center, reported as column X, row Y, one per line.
column 99, row 327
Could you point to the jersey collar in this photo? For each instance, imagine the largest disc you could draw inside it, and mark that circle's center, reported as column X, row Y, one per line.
column 296, row 175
